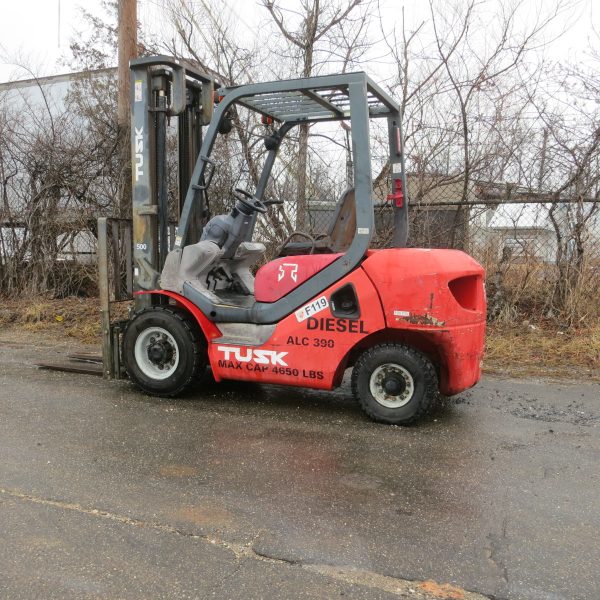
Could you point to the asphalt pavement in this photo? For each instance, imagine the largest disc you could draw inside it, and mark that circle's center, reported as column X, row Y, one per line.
column 247, row 491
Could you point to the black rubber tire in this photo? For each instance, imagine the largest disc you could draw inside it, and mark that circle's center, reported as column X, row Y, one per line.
column 418, row 366
column 190, row 344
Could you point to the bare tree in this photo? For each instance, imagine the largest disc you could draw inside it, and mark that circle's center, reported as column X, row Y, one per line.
column 333, row 35
column 461, row 93
column 320, row 35
column 572, row 175
column 53, row 174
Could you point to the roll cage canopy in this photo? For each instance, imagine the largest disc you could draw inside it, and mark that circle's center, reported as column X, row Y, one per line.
column 324, row 98
column 348, row 96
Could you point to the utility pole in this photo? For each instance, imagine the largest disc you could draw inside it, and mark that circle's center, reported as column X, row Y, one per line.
column 127, row 45
column 127, row 31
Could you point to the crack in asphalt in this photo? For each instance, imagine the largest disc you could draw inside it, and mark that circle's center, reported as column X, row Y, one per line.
column 497, row 542
column 418, row 590
column 237, row 549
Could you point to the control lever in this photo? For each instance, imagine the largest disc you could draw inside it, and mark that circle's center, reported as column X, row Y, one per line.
column 209, row 171
column 271, row 202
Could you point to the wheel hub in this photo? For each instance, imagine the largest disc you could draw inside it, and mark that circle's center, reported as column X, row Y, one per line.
column 156, row 353
column 160, row 352
column 392, row 385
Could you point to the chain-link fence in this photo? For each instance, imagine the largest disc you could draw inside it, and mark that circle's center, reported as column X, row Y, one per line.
column 542, row 257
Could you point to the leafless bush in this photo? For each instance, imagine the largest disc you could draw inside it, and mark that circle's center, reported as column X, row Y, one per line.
column 56, row 176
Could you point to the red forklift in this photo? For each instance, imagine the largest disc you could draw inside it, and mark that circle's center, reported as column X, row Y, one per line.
column 410, row 322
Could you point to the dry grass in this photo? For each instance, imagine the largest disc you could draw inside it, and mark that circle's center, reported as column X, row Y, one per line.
column 78, row 318
column 523, row 350
column 534, row 350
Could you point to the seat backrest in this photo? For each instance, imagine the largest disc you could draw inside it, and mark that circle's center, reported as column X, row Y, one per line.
column 343, row 227
column 282, row 275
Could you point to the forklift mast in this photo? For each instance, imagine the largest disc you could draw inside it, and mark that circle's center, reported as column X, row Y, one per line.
column 163, row 88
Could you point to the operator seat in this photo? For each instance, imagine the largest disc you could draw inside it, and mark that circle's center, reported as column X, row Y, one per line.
column 339, row 236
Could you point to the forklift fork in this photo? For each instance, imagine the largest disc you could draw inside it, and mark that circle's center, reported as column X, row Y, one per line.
column 115, row 283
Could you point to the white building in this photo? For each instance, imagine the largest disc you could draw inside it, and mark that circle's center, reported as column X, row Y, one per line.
column 32, row 103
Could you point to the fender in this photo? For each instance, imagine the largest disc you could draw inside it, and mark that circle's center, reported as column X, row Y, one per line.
column 208, row 328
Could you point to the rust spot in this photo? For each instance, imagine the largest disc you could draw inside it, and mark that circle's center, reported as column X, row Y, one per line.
column 444, row 591
column 425, row 319
column 431, row 301
column 205, row 515
column 178, row 471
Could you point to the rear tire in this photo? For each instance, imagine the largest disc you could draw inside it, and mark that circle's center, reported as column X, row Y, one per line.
column 394, row 384
column 163, row 351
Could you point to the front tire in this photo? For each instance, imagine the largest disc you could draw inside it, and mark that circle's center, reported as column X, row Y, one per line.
column 163, row 351
column 394, row 384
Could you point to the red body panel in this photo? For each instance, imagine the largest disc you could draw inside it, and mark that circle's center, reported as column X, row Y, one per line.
column 307, row 352
column 437, row 299
column 431, row 299
column 209, row 329
column 280, row 276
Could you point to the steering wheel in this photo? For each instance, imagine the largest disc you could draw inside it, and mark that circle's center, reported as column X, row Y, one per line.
column 310, row 238
column 249, row 200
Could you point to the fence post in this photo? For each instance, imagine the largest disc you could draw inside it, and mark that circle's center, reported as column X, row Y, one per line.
column 104, row 289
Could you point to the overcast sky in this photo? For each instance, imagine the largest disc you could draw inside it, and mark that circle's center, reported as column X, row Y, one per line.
column 31, row 32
